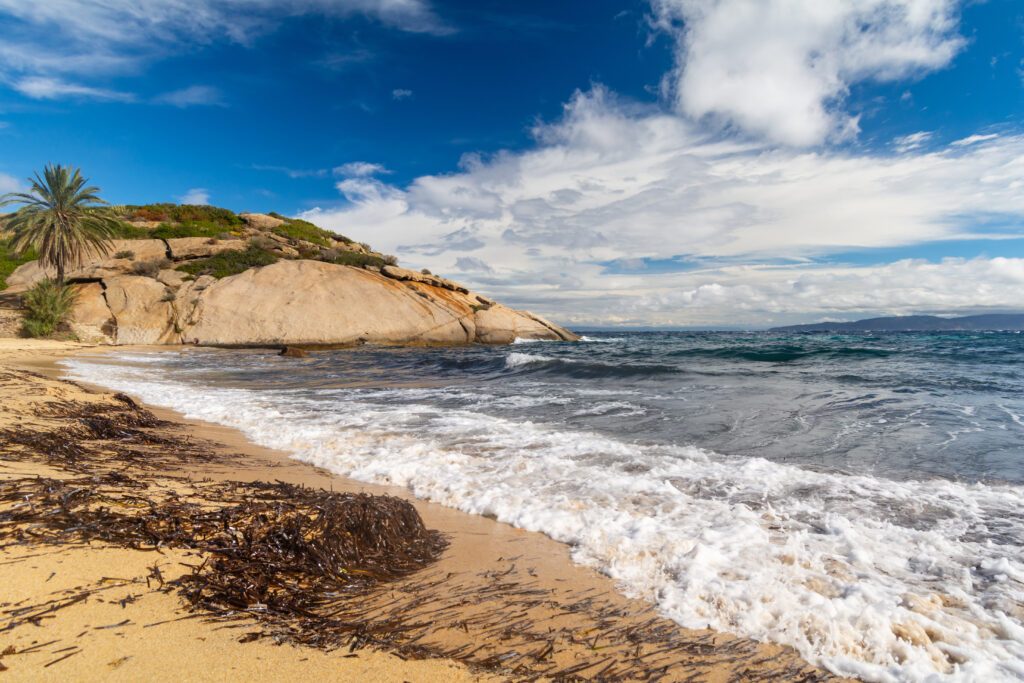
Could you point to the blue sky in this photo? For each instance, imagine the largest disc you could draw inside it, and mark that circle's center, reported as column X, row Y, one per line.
column 658, row 162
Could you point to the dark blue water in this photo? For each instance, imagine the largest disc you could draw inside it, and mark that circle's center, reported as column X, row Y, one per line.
column 897, row 405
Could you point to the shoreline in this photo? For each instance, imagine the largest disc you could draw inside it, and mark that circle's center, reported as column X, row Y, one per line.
column 487, row 567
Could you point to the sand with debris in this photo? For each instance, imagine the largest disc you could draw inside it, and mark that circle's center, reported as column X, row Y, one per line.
column 499, row 603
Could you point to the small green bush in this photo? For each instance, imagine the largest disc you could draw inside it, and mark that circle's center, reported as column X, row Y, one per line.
column 126, row 231
column 46, row 306
column 9, row 261
column 125, row 254
column 229, row 263
column 168, row 231
column 296, row 229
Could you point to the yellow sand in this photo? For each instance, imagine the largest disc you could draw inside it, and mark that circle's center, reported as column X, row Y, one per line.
column 475, row 599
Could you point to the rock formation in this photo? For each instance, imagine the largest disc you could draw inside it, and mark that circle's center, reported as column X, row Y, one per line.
column 137, row 295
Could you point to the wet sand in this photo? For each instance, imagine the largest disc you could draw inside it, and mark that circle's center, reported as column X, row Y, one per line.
column 500, row 604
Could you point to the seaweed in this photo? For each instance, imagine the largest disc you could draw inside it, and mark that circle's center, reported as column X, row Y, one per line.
column 324, row 569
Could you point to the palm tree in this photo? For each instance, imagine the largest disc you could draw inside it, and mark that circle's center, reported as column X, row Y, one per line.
column 62, row 218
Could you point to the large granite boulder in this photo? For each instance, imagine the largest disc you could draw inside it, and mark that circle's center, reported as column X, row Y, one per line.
column 315, row 303
column 142, row 310
column 121, row 259
column 498, row 324
column 26, row 275
column 91, row 319
column 200, row 247
column 260, row 221
column 404, row 274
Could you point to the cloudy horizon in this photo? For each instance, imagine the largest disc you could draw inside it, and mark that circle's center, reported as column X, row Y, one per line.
column 713, row 163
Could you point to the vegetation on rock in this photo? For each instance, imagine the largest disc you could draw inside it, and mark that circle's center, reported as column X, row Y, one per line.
column 203, row 228
column 62, row 218
column 127, row 231
column 10, row 260
column 350, row 258
column 183, row 213
column 297, row 229
column 46, row 306
column 229, row 262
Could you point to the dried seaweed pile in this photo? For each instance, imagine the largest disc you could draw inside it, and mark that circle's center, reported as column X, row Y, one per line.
column 98, row 436
column 280, row 551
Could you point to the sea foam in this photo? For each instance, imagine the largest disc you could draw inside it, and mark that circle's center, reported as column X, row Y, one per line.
column 886, row 580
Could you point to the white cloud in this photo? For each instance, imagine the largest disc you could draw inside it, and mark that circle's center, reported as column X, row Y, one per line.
column 359, row 169
column 781, row 295
column 90, row 38
column 196, row 195
column 9, row 184
column 401, row 94
column 781, row 68
column 42, row 88
column 609, row 182
column 192, row 96
column 292, row 172
column 910, row 142
column 974, row 139
column 128, row 22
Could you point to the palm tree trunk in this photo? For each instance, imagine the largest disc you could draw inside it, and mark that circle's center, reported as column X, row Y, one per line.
column 60, row 274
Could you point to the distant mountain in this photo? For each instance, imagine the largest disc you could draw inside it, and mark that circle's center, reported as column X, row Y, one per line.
column 917, row 323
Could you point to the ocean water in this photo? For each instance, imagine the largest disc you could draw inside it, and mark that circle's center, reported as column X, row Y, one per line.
column 860, row 498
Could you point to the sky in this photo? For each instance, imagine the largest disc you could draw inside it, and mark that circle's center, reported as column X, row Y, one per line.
column 676, row 163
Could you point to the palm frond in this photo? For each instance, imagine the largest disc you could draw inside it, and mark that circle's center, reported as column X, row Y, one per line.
column 62, row 217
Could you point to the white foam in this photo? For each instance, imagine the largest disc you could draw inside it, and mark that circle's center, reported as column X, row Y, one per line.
column 515, row 359
column 600, row 340
column 873, row 578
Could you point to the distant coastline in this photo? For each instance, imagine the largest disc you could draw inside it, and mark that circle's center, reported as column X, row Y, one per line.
column 1008, row 322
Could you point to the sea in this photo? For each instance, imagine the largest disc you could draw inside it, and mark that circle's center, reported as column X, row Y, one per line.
column 857, row 497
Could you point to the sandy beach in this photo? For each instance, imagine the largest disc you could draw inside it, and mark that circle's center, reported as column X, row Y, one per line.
column 499, row 604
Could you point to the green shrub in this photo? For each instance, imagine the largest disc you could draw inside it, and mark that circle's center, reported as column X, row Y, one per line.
column 9, row 261
column 46, row 306
column 229, row 262
column 125, row 231
column 297, row 229
column 125, row 254
column 350, row 258
column 183, row 213
column 168, row 231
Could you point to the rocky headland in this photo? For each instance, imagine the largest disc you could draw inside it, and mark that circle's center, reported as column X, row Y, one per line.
column 267, row 280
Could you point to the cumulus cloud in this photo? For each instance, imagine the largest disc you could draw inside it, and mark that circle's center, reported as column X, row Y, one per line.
column 192, row 96
column 781, row 68
column 780, row 295
column 610, row 182
column 197, row 195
